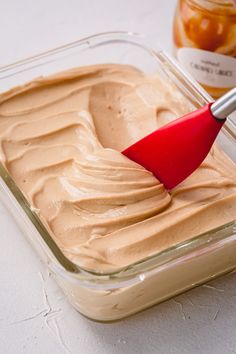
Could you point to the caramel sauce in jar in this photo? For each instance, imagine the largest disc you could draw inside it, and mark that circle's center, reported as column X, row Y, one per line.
column 204, row 34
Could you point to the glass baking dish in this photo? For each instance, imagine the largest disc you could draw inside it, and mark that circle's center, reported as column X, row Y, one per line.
column 108, row 297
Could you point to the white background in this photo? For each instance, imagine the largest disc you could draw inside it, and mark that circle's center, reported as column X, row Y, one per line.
column 200, row 321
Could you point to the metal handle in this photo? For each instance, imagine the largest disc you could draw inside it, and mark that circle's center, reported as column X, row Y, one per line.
column 225, row 105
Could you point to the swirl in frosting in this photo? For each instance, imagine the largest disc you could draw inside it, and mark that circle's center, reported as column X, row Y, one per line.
column 61, row 141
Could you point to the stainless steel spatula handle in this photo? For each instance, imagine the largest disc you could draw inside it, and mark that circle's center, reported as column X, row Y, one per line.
column 225, row 105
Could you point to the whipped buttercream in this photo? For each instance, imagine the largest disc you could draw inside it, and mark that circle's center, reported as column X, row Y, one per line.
column 61, row 141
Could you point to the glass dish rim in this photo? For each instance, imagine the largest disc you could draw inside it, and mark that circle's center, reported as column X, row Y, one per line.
column 30, row 212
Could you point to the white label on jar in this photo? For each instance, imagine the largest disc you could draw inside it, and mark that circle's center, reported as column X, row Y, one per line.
column 208, row 68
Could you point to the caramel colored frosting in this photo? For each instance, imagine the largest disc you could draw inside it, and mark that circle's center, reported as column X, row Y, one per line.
column 61, row 138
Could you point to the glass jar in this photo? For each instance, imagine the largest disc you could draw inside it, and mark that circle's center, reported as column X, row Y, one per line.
column 204, row 35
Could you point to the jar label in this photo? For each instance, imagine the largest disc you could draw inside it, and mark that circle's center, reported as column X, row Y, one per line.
column 208, row 68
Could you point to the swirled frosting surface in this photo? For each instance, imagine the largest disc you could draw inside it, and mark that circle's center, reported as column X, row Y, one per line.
column 61, row 138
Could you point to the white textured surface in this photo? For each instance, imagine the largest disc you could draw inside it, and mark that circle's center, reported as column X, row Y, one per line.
column 34, row 315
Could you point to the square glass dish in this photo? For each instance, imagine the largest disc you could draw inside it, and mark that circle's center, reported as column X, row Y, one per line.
column 112, row 296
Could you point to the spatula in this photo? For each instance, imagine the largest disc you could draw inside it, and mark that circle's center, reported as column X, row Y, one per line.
column 175, row 150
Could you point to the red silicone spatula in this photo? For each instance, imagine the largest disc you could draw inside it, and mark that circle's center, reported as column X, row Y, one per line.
column 175, row 150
